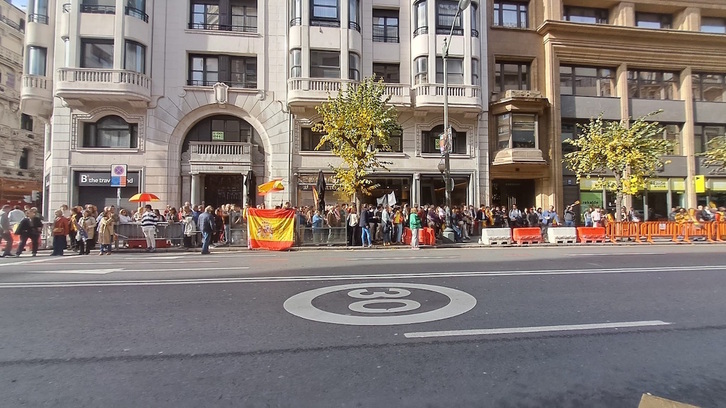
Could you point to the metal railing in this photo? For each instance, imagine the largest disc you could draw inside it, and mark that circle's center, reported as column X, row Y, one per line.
column 317, row 22
column 12, row 23
column 97, row 9
column 309, row 236
column 244, row 85
column 354, row 26
column 248, row 28
column 296, row 21
column 134, row 12
column 421, row 30
column 38, row 18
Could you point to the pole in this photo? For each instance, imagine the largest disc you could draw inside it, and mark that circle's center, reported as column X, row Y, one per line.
column 118, row 198
column 449, row 236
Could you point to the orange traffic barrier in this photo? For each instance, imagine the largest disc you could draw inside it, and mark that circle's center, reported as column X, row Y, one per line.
column 625, row 229
column 529, row 235
column 426, row 236
column 591, row 234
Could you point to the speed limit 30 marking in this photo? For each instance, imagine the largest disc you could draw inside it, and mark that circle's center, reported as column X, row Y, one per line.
column 366, row 301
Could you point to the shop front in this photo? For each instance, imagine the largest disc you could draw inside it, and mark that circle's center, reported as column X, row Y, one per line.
column 660, row 195
column 94, row 187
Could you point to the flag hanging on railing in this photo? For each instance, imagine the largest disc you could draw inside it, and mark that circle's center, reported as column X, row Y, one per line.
column 271, row 229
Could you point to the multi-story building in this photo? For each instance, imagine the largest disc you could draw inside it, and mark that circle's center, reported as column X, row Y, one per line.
column 557, row 63
column 203, row 99
column 21, row 154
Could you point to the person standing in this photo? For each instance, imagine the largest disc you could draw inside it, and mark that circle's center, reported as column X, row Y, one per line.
column 5, row 230
column 398, row 225
column 148, row 227
column 365, row 232
column 25, row 230
column 386, row 223
column 61, row 230
column 414, row 223
column 206, row 227
column 106, row 232
column 87, row 224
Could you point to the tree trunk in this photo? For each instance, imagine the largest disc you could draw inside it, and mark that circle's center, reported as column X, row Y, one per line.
column 618, row 197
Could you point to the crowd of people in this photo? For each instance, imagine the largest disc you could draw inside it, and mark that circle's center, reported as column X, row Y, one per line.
column 83, row 228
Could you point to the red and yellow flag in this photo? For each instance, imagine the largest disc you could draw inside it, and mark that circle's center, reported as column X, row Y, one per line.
column 271, row 229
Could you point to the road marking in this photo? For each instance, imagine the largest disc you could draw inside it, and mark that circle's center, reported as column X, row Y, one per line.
column 77, row 272
column 536, row 329
column 301, row 305
column 382, row 276
column 105, row 271
column 402, row 258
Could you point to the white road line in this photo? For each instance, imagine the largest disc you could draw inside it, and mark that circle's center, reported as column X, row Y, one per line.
column 325, row 278
column 105, row 271
column 536, row 329
column 402, row 258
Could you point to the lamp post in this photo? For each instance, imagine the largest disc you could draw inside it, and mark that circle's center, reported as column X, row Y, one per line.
column 449, row 235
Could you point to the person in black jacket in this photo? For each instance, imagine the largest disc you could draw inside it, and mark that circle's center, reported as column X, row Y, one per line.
column 28, row 228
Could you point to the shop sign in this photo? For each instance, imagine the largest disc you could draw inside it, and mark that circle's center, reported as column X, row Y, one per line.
column 718, row 185
column 658, row 185
column 218, row 135
column 679, row 185
column 590, row 199
column 101, row 179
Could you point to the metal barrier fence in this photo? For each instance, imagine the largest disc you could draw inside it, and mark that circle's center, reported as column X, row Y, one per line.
column 308, row 236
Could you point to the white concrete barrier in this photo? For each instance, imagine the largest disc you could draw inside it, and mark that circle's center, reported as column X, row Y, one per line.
column 496, row 236
column 562, row 235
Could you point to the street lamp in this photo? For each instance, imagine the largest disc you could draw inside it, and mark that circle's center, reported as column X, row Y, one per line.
column 449, row 235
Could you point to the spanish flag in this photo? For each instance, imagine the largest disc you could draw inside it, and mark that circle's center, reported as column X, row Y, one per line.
column 271, row 229
column 270, row 186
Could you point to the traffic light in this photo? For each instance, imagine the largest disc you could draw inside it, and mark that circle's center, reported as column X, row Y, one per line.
column 35, row 195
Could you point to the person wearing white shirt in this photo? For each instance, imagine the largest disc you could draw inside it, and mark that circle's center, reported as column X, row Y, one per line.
column 15, row 216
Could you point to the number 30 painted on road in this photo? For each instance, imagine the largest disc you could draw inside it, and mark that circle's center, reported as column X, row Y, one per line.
column 301, row 305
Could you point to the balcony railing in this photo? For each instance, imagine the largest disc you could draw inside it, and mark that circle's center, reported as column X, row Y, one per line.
column 250, row 28
column 109, row 76
column 11, row 56
column 97, row 9
column 12, row 23
column 37, row 82
column 317, row 88
column 90, row 84
column 421, row 30
column 466, row 91
column 38, row 18
column 219, row 152
column 134, row 12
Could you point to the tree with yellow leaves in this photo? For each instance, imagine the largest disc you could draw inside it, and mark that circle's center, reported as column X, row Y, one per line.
column 715, row 155
column 631, row 151
column 357, row 125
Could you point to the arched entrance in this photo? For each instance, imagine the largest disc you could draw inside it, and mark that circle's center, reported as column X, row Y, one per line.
column 220, row 154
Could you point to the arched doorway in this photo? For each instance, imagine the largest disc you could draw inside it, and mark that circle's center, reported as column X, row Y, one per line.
column 219, row 153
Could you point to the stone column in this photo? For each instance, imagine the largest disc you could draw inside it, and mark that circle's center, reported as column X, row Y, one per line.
column 196, row 199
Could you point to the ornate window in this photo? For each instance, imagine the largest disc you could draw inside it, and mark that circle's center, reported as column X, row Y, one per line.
column 430, row 141
column 110, row 132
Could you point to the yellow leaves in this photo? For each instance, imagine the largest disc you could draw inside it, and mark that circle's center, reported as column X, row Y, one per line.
column 621, row 149
column 357, row 125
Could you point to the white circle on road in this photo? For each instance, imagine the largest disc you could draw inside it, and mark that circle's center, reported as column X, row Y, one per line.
column 301, row 305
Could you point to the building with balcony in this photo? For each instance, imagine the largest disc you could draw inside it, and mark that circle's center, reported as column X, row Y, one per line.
column 205, row 100
column 21, row 135
column 558, row 63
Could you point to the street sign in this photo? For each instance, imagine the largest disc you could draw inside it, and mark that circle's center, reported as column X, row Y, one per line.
column 218, row 135
column 445, row 142
column 379, row 304
column 118, row 175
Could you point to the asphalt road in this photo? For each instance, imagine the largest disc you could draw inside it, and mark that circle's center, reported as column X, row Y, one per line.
column 579, row 326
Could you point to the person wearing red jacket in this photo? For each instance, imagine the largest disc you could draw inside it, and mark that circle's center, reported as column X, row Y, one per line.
column 61, row 228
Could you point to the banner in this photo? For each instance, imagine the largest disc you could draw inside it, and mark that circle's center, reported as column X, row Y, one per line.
column 271, row 229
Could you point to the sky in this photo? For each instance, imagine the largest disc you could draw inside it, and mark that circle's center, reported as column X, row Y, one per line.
column 20, row 3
